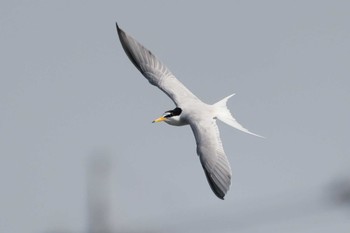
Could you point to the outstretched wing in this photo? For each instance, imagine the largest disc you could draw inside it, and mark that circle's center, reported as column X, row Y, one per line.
column 154, row 70
column 212, row 156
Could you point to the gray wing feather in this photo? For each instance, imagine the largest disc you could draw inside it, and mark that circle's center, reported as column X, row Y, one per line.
column 212, row 156
column 154, row 70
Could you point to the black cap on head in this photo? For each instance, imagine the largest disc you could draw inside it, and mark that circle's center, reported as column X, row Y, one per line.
column 175, row 112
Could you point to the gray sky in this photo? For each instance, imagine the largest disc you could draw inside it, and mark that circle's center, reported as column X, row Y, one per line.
column 68, row 94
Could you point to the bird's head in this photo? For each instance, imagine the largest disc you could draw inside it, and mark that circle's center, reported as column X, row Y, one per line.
column 172, row 117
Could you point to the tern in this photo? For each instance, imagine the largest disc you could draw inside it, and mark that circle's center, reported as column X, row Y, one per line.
column 189, row 110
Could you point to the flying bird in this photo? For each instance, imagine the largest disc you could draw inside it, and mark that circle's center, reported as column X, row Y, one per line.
column 189, row 110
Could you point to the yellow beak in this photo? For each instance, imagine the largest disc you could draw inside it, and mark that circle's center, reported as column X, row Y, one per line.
column 160, row 119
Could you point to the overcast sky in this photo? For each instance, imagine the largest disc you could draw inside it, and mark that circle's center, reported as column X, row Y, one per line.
column 70, row 98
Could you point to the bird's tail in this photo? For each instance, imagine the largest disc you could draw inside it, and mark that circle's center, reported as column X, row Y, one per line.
column 224, row 115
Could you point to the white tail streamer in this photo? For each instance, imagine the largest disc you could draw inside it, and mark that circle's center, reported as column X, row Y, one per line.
column 224, row 115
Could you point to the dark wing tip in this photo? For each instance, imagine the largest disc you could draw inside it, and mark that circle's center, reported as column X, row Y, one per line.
column 127, row 43
column 118, row 28
column 217, row 191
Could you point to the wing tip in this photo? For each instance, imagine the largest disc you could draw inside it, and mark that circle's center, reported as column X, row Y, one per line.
column 216, row 190
column 221, row 198
column 118, row 28
column 219, row 193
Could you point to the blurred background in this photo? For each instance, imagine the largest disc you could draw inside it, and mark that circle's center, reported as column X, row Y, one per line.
column 78, row 152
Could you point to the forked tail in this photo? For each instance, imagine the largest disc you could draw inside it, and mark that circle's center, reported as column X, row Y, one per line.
column 224, row 115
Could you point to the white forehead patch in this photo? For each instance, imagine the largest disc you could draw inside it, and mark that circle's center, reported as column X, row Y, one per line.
column 167, row 114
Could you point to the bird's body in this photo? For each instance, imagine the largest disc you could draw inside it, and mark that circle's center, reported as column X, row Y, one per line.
column 189, row 110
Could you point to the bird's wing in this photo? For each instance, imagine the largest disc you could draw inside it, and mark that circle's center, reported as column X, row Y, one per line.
column 212, row 156
column 154, row 70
